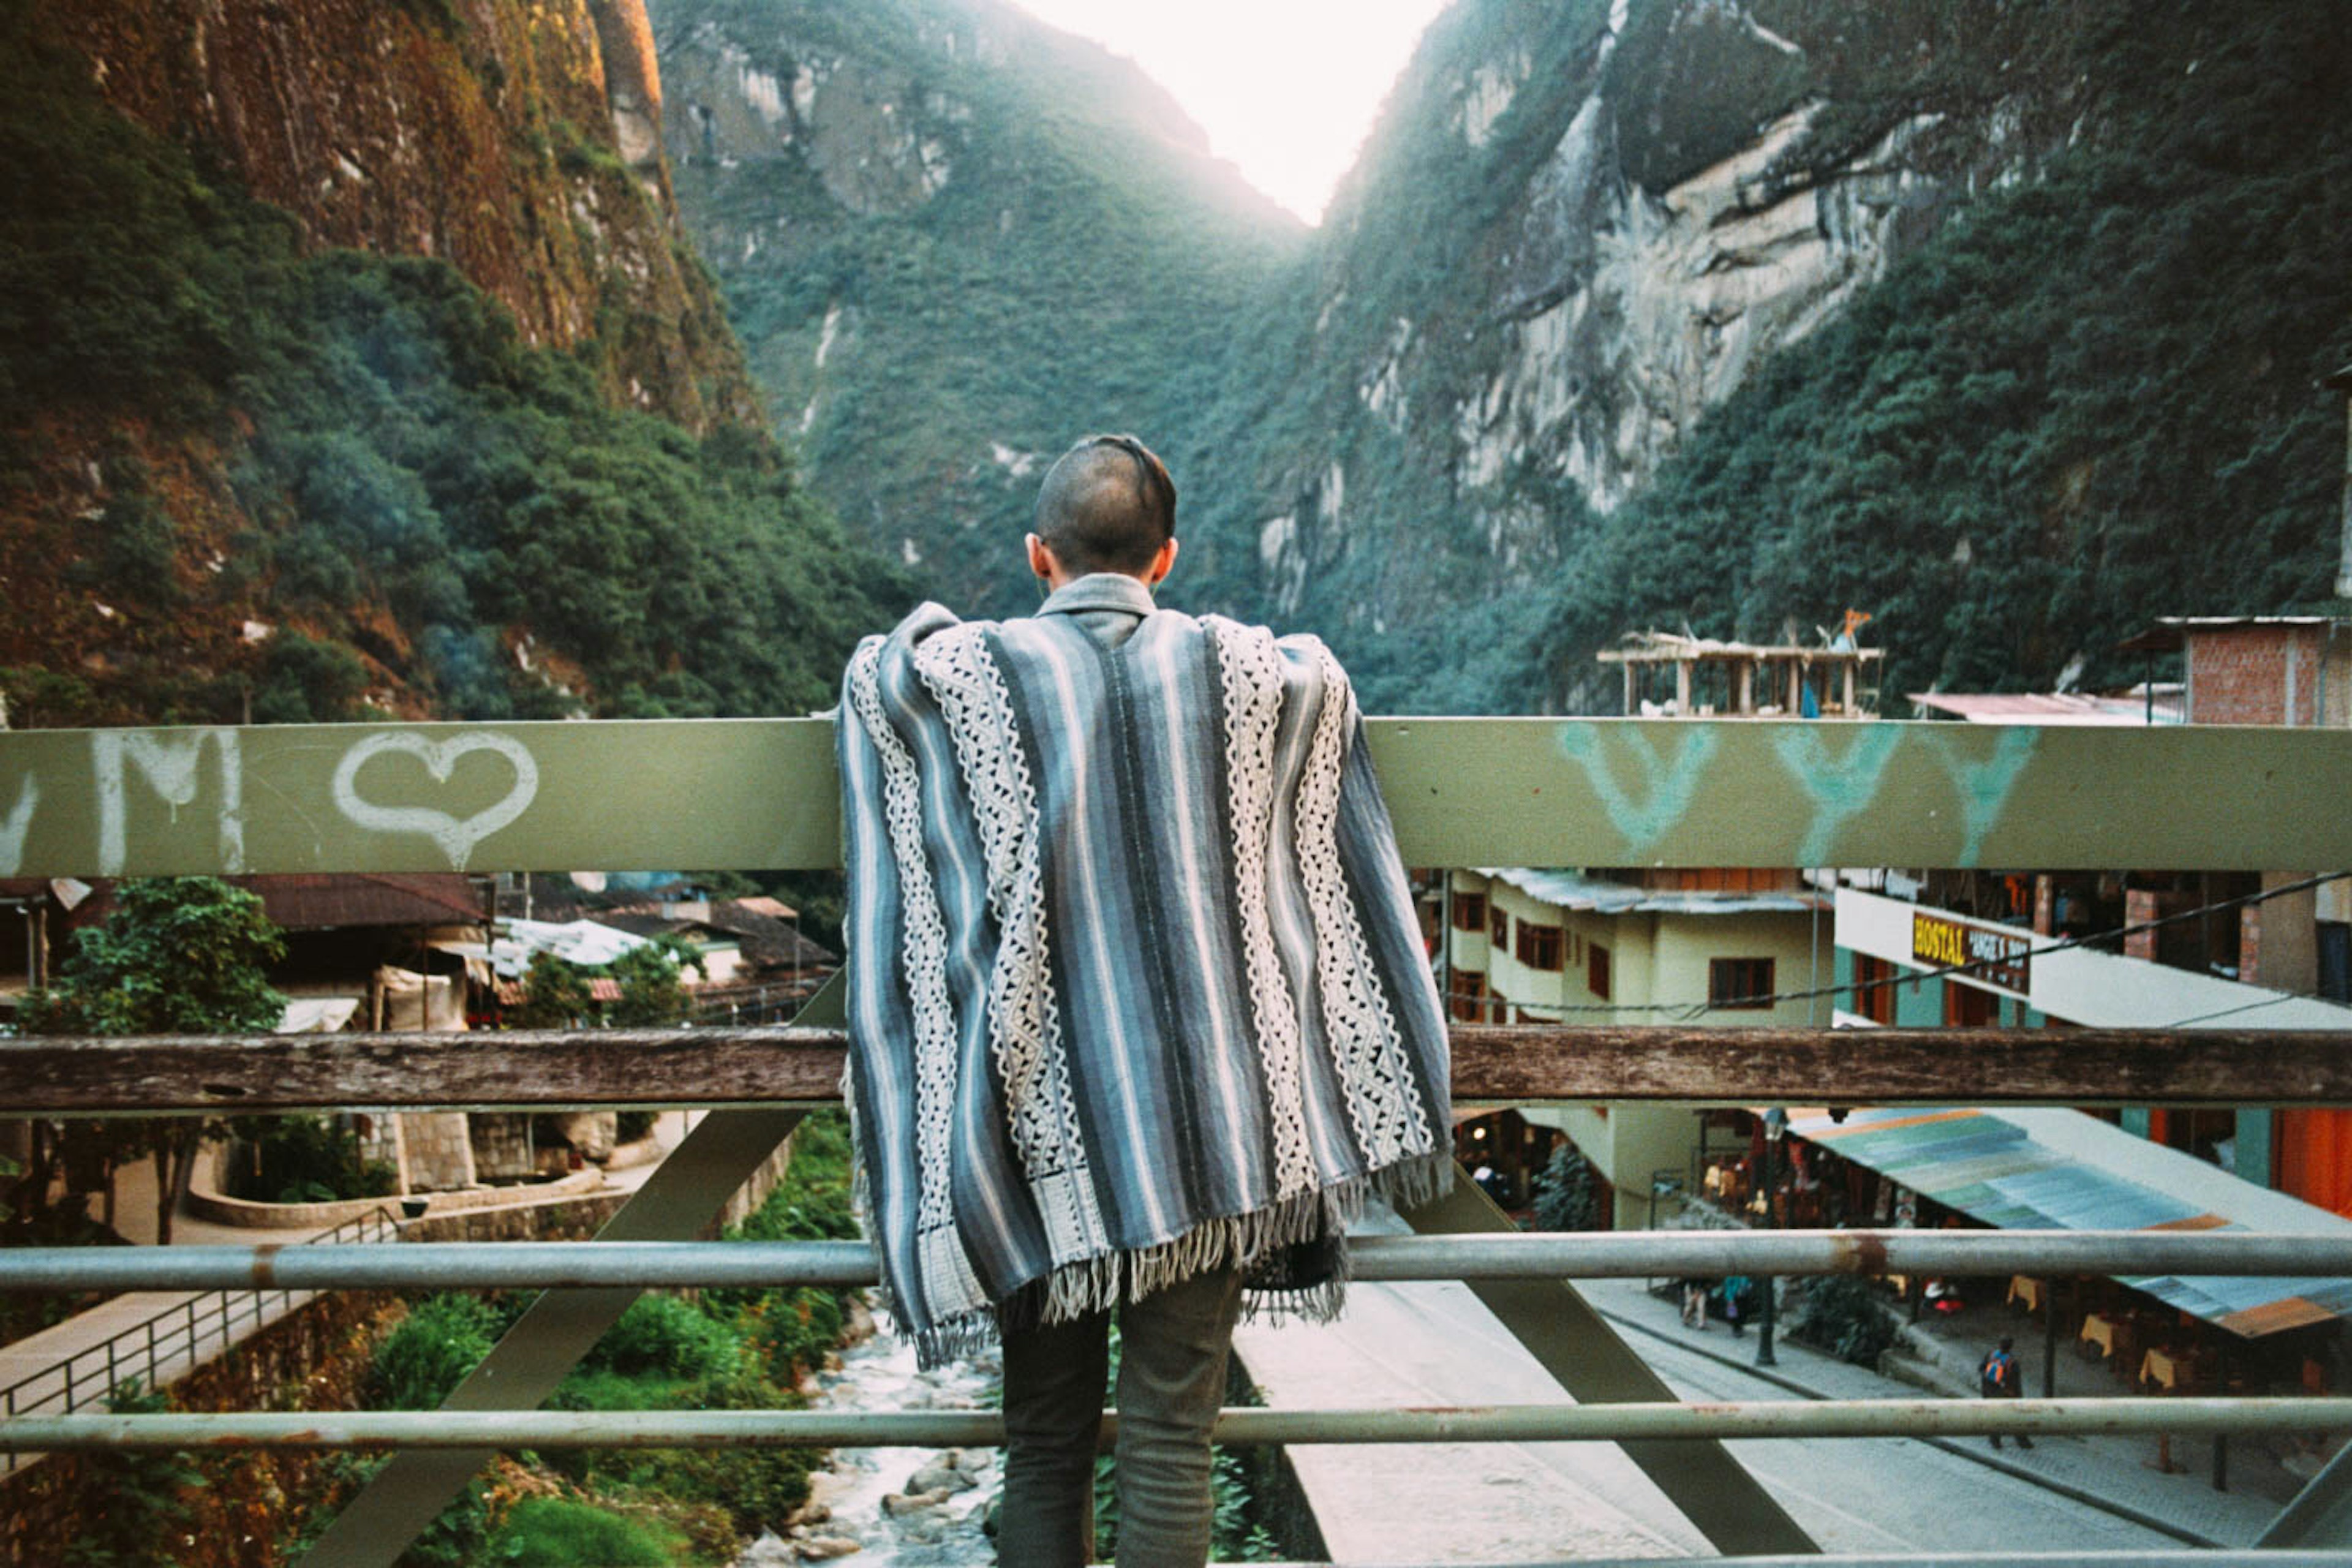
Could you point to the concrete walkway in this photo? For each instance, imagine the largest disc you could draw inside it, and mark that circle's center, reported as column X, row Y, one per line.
column 158, row 1336
column 1420, row 1344
column 2116, row 1474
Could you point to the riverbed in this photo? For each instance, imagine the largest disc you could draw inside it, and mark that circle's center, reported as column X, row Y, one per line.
column 897, row 1507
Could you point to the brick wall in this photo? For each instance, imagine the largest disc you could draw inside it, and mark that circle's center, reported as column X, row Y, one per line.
column 2259, row 674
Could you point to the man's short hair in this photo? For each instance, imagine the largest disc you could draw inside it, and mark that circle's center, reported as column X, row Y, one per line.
column 1107, row 506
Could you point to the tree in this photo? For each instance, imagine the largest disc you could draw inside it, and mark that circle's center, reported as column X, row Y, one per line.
column 1566, row 1195
column 652, row 994
column 554, row 994
column 177, row 955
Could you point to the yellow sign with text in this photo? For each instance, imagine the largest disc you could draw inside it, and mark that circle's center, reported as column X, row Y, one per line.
column 1988, row 954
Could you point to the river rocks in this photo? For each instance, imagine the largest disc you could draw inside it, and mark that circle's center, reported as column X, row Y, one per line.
column 821, row 1548
column 824, row 1488
column 924, row 1528
column 942, row 1478
column 897, row 1504
column 768, row 1552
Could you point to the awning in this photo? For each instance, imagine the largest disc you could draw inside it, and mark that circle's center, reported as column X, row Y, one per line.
column 318, row 1014
column 2061, row 1170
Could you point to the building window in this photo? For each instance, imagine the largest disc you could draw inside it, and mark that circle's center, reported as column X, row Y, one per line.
column 1498, row 926
column 1469, row 911
column 1540, row 946
column 1739, row 983
column 1596, row 971
column 1469, row 996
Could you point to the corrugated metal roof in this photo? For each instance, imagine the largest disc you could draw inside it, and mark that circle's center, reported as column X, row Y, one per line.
column 2046, row 708
column 2061, row 1170
column 1576, row 890
column 313, row 901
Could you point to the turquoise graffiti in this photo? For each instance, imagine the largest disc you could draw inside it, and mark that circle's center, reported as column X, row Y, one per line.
column 1985, row 786
column 1842, row 781
column 1665, row 784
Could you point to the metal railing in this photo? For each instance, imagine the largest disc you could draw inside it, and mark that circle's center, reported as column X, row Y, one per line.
column 182, row 1336
column 1544, row 793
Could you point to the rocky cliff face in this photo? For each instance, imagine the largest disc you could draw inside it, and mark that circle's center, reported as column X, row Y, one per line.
column 515, row 140
column 1579, row 228
column 354, row 360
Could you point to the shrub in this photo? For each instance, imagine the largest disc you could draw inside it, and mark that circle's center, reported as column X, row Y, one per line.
column 442, row 1339
column 557, row 1532
column 304, row 1159
column 146, row 1494
column 1566, row 1195
column 1839, row 1314
column 665, row 1335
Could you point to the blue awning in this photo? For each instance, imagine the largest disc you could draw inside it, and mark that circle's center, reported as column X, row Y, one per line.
column 2061, row 1170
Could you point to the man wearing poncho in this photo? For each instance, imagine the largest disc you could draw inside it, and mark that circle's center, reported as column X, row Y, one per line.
column 1140, row 1012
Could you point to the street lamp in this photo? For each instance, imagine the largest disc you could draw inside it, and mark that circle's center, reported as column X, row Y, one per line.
column 1776, row 1127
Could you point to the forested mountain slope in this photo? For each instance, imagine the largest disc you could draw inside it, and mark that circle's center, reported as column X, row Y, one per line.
column 1996, row 319
column 954, row 239
column 2090, row 400
column 352, row 360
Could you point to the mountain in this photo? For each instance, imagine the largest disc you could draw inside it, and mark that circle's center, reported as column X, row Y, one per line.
column 1996, row 319
column 353, row 359
column 955, row 239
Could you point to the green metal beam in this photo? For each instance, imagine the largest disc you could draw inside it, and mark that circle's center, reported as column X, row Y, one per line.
column 678, row 1202
column 707, row 794
column 1573, row 1342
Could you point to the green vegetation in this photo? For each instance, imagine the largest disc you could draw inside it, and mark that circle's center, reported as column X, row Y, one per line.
column 1567, row 1192
column 556, row 1532
column 303, row 1159
column 147, row 1500
column 431, row 504
column 176, row 955
column 430, row 1350
column 1084, row 265
column 715, row 1350
column 2089, row 396
column 2086, row 389
column 1842, row 1315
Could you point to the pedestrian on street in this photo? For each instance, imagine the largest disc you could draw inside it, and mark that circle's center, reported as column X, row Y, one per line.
column 1997, row 1378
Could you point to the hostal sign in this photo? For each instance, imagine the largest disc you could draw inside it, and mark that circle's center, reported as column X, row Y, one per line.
column 1995, row 956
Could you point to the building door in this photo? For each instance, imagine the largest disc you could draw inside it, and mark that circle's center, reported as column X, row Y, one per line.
column 1966, row 1007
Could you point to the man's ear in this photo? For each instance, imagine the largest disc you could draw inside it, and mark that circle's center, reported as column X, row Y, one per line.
column 1041, row 560
column 1162, row 564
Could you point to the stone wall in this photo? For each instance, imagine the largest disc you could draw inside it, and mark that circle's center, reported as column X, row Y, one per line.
column 502, row 1146
column 437, row 1151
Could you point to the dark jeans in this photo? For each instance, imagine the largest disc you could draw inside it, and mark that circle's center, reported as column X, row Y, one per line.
column 1173, row 1345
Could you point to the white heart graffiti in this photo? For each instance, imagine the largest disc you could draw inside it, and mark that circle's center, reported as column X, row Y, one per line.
column 457, row 836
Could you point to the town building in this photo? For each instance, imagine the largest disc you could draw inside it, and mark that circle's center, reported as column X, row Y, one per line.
column 2196, row 953
column 1707, row 947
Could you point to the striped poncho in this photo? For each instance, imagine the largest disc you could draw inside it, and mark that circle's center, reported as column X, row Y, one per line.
column 1136, row 987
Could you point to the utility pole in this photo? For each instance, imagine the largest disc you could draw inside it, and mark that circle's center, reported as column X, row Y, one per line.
column 1776, row 1127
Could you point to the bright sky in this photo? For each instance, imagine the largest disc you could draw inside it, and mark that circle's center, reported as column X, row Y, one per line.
column 1285, row 89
